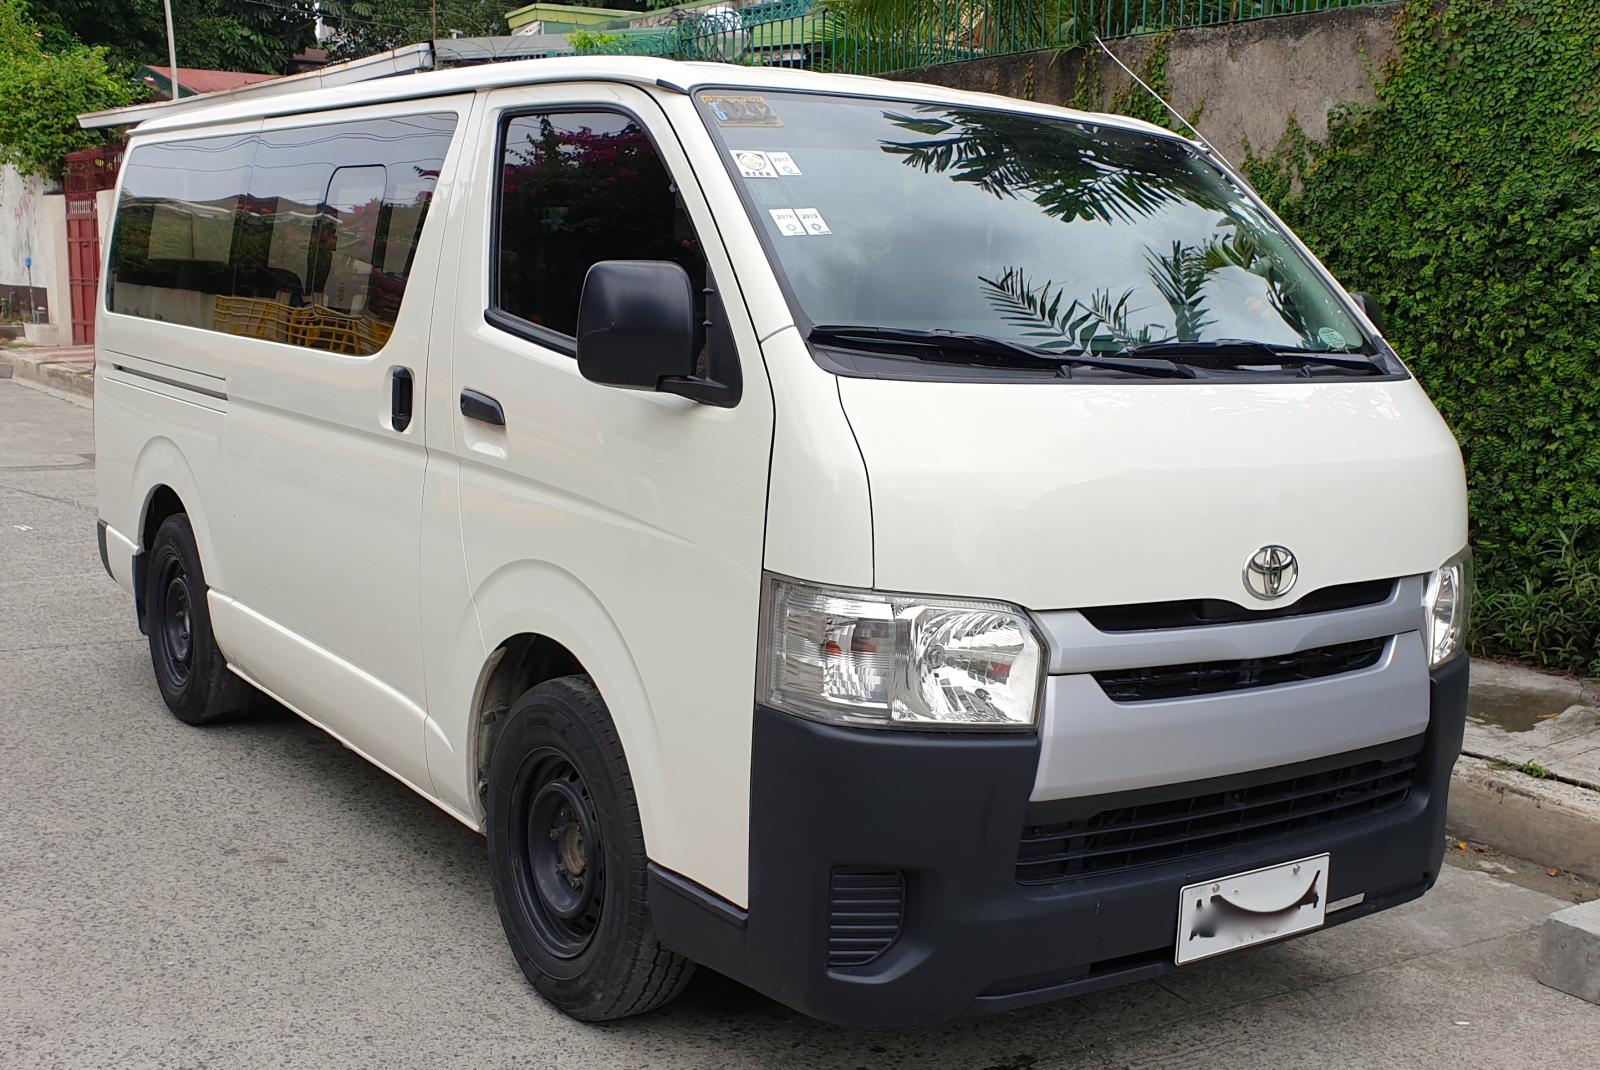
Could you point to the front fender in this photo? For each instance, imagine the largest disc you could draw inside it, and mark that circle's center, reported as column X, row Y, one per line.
column 539, row 598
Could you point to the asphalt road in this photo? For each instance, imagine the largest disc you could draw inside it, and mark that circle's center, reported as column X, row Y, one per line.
column 253, row 895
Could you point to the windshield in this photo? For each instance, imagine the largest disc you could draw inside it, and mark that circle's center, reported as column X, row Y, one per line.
column 1048, row 233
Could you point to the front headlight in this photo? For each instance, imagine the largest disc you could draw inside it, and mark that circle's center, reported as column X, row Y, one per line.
column 1446, row 601
column 873, row 660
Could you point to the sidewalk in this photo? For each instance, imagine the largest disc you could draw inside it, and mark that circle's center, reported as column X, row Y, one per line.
column 69, row 368
column 1528, row 781
column 1528, row 718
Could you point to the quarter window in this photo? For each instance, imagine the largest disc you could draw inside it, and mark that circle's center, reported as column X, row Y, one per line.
column 343, row 260
column 578, row 187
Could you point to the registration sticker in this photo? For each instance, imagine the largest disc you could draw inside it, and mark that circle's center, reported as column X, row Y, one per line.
column 812, row 220
column 783, row 163
column 745, row 110
column 753, row 164
column 788, row 222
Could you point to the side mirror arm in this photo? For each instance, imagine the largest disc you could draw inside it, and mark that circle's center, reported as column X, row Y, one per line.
column 1369, row 305
column 722, row 387
column 706, row 391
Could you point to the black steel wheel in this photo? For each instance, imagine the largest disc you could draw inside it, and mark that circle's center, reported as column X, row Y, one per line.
column 562, row 868
column 567, row 858
column 174, row 648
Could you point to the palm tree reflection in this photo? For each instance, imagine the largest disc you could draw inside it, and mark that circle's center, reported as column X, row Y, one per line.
column 1075, row 173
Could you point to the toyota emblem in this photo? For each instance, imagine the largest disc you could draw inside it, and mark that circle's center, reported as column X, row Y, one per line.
column 1271, row 572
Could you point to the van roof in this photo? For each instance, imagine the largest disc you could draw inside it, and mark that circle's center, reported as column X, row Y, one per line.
column 674, row 75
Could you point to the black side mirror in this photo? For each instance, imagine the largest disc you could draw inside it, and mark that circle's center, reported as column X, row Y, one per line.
column 636, row 323
column 1370, row 307
column 637, row 330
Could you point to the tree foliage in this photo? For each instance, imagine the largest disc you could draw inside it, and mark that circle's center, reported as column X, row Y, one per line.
column 235, row 35
column 363, row 27
column 1466, row 201
column 43, row 92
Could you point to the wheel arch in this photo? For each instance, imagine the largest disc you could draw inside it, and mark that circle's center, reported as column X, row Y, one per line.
column 166, row 488
column 167, row 485
column 540, row 622
column 520, row 662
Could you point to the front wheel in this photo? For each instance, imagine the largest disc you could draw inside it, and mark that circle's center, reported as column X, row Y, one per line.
column 567, row 858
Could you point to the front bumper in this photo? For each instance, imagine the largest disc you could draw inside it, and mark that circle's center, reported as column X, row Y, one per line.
column 947, row 812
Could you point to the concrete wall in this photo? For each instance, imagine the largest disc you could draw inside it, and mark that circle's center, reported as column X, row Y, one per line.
column 1250, row 77
column 33, row 224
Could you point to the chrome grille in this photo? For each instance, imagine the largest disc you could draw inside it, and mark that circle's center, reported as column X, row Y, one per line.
column 1212, row 677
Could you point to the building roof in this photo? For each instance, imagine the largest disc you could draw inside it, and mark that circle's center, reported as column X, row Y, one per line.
column 566, row 14
column 309, row 60
column 672, row 75
column 196, row 80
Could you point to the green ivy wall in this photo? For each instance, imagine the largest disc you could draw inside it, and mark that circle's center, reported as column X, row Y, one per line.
column 1467, row 199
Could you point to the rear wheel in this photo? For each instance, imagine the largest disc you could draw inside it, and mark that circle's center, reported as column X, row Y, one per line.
column 190, row 671
column 567, row 858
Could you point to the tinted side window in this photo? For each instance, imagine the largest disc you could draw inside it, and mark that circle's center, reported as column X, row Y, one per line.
column 173, row 249
column 321, row 228
column 577, row 188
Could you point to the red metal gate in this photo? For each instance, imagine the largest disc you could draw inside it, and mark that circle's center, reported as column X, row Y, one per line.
column 88, row 172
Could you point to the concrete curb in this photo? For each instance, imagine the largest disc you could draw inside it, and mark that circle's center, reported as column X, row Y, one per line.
column 48, row 368
column 1545, row 821
column 1569, row 952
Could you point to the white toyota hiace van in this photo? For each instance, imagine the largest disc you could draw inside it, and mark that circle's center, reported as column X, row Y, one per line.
column 914, row 552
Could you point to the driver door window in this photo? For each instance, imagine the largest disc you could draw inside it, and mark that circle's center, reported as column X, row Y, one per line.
column 575, row 188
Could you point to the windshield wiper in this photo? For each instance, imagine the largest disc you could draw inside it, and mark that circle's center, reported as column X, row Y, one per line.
column 981, row 349
column 1241, row 352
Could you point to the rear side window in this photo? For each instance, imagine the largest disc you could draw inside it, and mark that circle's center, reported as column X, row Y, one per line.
column 578, row 187
column 302, row 236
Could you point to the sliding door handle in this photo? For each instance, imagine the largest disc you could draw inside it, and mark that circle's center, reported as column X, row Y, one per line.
column 479, row 406
column 400, row 398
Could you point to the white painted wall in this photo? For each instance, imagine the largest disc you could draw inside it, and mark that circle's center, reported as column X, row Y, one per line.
column 105, row 206
column 34, row 224
column 52, row 258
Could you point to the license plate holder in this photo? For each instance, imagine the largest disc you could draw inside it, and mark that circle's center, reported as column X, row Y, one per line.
column 1244, row 909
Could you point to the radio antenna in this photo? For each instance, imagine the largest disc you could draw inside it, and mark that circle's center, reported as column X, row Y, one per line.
column 1162, row 101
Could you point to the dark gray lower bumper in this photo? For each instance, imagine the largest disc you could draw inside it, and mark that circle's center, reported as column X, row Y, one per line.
column 947, row 811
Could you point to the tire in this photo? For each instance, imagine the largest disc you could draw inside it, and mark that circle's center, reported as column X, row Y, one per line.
column 567, row 858
column 190, row 671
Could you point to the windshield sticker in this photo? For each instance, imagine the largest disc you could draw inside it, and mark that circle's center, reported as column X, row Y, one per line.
column 783, row 163
column 740, row 110
column 1332, row 338
column 812, row 220
column 753, row 164
column 788, row 221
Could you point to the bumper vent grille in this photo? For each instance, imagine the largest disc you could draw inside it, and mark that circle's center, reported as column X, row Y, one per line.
column 866, row 909
column 1146, row 833
column 1212, row 677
